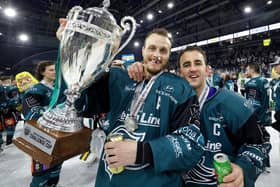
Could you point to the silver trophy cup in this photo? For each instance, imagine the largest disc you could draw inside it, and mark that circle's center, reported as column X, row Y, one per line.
column 90, row 41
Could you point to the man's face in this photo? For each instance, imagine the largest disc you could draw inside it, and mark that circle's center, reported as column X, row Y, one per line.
column 248, row 72
column 210, row 71
column 277, row 69
column 194, row 69
column 49, row 72
column 156, row 53
column 7, row 82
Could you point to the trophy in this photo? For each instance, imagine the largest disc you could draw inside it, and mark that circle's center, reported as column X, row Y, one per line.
column 89, row 43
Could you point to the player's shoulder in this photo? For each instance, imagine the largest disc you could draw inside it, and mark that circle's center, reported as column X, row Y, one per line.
column 173, row 83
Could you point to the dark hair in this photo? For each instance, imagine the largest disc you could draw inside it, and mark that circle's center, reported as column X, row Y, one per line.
column 255, row 68
column 159, row 31
column 5, row 77
column 193, row 48
column 227, row 77
column 41, row 67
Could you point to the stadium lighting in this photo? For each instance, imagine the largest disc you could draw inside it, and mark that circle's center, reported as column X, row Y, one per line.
column 23, row 37
column 136, row 44
column 10, row 12
column 150, row 16
column 247, row 9
column 170, row 5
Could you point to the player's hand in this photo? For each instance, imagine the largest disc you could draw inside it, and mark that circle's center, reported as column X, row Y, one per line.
column 235, row 178
column 136, row 71
column 62, row 24
column 121, row 153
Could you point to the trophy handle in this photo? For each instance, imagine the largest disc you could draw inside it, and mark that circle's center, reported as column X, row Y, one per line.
column 125, row 25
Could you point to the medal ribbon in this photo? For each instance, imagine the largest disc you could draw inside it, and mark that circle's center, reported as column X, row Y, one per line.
column 203, row 96
column 139, row 98
column 57, row 85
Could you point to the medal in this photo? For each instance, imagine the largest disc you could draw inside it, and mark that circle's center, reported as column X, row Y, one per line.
column 130, row 124
column 137, row 102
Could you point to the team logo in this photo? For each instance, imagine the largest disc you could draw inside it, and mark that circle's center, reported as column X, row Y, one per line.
column 137, row 136
column 169, row 89
column 201, row 174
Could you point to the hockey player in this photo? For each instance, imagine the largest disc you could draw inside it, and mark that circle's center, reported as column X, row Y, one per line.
column 159, row 124
column 228, row 83
column 166, row 138
column 35, row 101
column 276, row 95
column 257, row 92
column 228, row 125
column 8, row 121
column 9, row 99
column 226, row 119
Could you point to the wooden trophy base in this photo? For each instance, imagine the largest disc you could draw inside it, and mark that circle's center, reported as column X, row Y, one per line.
column 52, row 147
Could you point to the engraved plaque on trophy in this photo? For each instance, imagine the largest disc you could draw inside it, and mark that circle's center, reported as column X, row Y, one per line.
column 89, row 43
column 52, row 147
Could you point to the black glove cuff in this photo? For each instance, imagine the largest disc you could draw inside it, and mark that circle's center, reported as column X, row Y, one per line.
column 144, row 153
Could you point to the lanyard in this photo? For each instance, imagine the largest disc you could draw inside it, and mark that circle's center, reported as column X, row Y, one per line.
column 140, row 97
column 202, row 98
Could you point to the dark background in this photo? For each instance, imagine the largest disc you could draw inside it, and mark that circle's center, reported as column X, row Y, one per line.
column 189, row 21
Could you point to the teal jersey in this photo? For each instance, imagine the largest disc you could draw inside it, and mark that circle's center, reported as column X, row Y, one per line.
column 176, row 143
column 275, row 87
column 9, row 97
column 273, row 82
column 229, row 85
column 224, row 124
column 35, row 101
column 216, row 80
column 257, row 92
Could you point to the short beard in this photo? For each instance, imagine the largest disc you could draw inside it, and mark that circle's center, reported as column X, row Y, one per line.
column 154, row 72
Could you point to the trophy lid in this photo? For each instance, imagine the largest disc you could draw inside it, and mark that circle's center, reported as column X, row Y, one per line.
column 103, row 18
column 100, row 17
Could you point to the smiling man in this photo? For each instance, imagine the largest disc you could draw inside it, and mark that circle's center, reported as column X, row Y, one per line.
column 158, row 120
column 229, row 126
